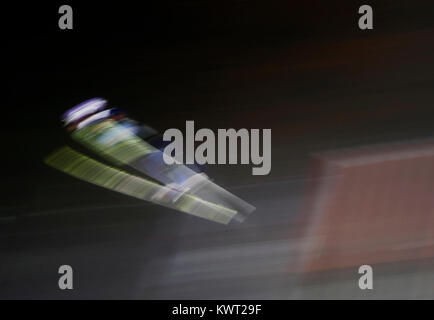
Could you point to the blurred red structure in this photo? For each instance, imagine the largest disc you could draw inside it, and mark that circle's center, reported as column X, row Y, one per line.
column 370, row 205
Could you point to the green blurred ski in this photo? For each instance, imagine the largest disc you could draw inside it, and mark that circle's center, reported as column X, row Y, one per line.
column 85, row 168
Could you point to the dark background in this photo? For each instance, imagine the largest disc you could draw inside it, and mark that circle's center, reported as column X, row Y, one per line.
column 303, row 69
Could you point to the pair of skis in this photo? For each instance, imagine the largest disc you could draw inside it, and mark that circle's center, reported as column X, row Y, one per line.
column 122, row 148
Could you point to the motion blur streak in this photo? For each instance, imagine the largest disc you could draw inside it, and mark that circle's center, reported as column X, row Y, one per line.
column 82, row 167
